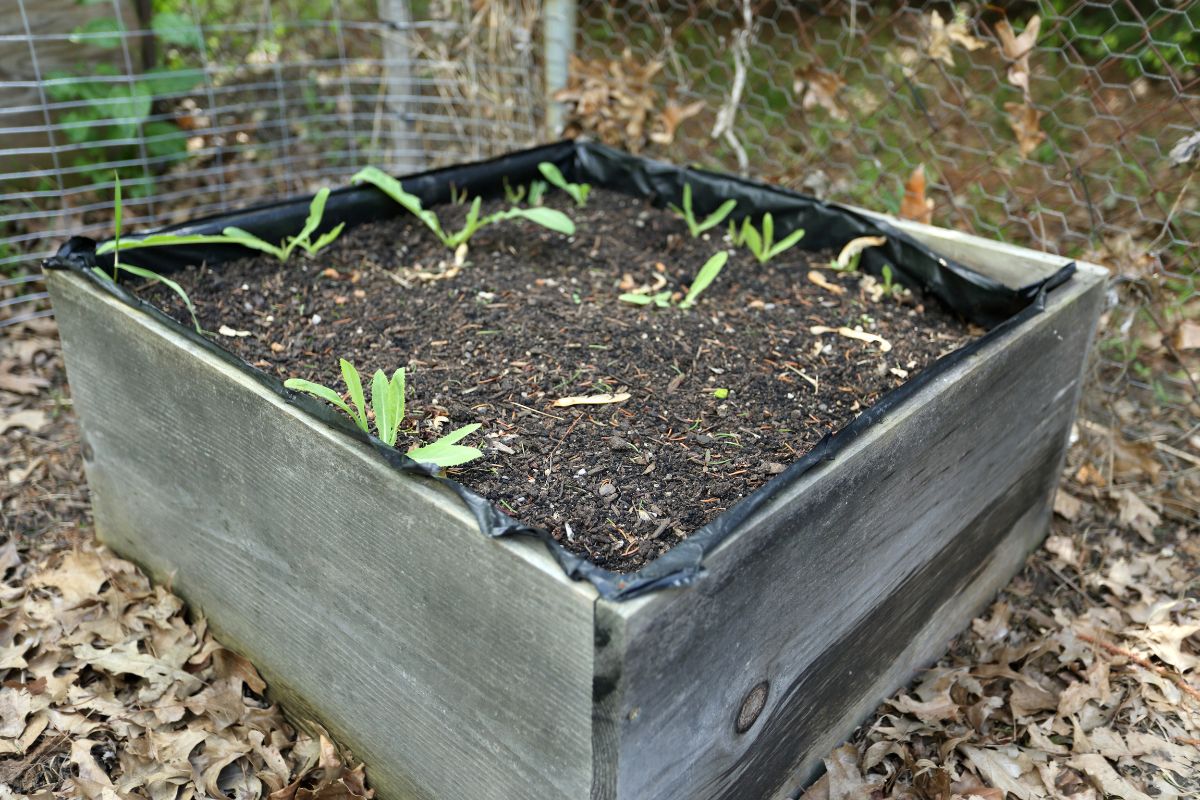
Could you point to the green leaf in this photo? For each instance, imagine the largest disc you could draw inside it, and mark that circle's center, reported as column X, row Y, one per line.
column 327, row 394
column 325, row 239
column 396, row 395
column 172, row 285
column 354, row 385
column 382, row 408
column 316, row 210
column 460, row 434
column 788, row 242
column 103, row 32
column 753, row 240
column 247, row 239
column 717, row 217
column 177, row 29
column 768, row 233
column 445, row 455
column 393, row 189
column 636, row 299
column 556, row 221
column 161, row 82
column 165, row 240
column 165, row 139
column 708, row 273
column 553, row 175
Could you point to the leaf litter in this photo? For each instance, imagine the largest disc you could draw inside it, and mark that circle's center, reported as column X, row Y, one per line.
column 108, row 688
column 1082, row 680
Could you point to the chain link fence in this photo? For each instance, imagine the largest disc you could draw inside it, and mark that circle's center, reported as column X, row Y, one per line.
column 201, row 105
column 1059, row 124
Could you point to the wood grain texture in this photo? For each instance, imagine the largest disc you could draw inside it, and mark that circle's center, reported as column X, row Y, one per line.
column 455, row 665
column 843, row 587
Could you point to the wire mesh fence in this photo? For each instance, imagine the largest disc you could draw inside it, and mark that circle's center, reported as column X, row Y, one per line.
column 1059, row 124
column 1049, row 123
column 200, row 105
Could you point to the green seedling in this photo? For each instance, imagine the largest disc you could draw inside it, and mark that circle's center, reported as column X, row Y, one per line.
column 578, row 191
column 721, row 394
column 232, row 235
column 708, row 273
column 890, row 287
column 762, row 243
column 511, row 195
column 546, row 217
column 711, row 221
column 535, row 191
column 147, row 274
column 387, row 401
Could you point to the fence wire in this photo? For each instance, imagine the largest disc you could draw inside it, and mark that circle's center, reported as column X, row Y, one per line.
column 1064, row 125
column 1049, row 124
column 202, row 105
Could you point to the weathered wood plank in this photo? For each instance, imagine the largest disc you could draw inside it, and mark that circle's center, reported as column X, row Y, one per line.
column 455, row 665
column 843, row 587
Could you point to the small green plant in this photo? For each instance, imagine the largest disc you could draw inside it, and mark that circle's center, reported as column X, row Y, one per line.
column 387, row 401
column 890, row 287
column 149, row 275
column 711, row 221
column 303, row 240
column 578, row 191
column 535, row 191
column 762, row 243
column 721, row 393
column 232, row 235
column 708, row 273
column 546, row 217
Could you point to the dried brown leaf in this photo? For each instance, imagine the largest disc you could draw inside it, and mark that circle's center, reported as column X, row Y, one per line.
column 915, row 205
column 818, row 88
column 1024, row 120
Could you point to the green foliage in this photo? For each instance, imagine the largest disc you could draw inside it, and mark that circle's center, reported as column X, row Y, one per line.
column 1154, row 39
column 232, row 235
column 387, row 402
column 708, row 273
column 112, row 114
column 890, row 287
column 546, row 217
column 535, row 191
column 139, row 271
column 762, row 242
column 711, row 221
column 578, row 191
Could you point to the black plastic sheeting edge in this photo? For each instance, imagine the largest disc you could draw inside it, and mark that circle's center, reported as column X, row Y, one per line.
column 978, row 298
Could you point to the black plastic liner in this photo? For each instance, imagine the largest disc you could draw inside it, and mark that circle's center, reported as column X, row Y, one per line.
column 978, row 298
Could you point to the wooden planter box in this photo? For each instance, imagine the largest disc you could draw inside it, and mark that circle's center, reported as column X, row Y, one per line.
column 460, row 666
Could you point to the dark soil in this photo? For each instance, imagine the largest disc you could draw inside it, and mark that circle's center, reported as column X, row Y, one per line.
column 722, row 396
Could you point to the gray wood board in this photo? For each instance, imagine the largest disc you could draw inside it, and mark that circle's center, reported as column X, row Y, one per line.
column 843, row 587
column 455, row 665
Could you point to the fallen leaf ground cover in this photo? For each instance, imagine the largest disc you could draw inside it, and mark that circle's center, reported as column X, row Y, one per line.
column 1081, row 680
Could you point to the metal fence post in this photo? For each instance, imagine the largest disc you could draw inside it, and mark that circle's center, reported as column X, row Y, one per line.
column 400, row 91
column 559, row 43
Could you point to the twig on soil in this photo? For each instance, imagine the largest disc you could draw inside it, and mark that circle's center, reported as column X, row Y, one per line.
column 1142, row 662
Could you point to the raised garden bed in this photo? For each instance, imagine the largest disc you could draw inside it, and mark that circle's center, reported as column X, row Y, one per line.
column 721, row 589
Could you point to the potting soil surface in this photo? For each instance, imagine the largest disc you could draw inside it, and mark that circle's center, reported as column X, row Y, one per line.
column 720, row 396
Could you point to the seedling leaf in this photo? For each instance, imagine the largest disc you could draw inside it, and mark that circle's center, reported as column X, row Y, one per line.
column 548, row 218
column 327, row 394
column 354, row 385
column 445, row 455
column 708, row 273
